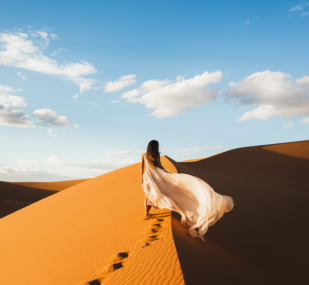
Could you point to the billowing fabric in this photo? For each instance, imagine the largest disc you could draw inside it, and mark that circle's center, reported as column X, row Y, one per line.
column 197, row 203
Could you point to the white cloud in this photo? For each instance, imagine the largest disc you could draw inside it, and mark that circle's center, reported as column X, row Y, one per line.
column 169, row 98
column 9, row 117
column 304, row 14
column 28, row 162
column 49, row 118
column 121, row 83
column 26, row 51
column 304, row 81
column 58, row 160
column 23, row 77
column 54, row 37
column 44, row 114
column 15, row 118
column 275, row 93
column 296, row 8
column 289, row 125
column 75, row 96
column 305, row 121
column 15, row 174
column 11, row 101
column 116, row 101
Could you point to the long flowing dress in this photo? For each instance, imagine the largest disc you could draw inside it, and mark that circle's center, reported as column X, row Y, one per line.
column 197, row 203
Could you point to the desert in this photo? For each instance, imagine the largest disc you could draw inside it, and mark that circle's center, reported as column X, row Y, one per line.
column 93, row 232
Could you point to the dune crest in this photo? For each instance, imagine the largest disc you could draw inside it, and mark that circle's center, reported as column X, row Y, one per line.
column 263, row 240
column 94, row 232
column 295, row 149
column 82, row 235
column 56, row 186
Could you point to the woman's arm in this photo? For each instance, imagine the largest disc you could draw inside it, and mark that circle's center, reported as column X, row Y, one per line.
column 142, row 167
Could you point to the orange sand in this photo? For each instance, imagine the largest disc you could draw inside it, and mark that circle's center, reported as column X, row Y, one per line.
column 264, row 239
column 15, row 197
column 74, row 236
column 299, row 149
column 95, row 231
column 56, row 186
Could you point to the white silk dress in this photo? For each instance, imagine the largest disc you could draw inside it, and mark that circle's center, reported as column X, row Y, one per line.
column 197, row 203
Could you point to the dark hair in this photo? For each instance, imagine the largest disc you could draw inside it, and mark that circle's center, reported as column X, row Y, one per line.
column 153, row 152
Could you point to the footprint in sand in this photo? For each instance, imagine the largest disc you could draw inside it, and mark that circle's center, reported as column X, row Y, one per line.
column 152, row 233
column 119, row 260
column 114, row 263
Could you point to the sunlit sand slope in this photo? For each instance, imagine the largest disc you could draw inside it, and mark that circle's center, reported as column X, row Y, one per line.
column 264, row 239
column 15, row 197
column 90, row 233
column 299, row 149
column 56, row 186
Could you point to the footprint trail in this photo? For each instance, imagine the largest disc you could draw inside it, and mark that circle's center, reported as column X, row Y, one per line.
column 152, row 234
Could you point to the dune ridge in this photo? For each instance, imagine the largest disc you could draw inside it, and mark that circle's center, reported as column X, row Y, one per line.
column 94, row 232
column 15, row 197
column 263, row 240
column 56, row 186
column 72, row 236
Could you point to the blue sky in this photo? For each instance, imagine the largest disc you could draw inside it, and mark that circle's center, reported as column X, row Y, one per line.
column 201, row 77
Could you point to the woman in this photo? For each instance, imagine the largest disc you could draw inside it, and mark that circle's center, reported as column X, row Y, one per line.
column 197, row 203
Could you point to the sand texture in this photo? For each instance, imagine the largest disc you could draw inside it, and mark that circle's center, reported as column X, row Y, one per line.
column 56, row 186
column 94, row 232
column 17, row 195
column 264, row 239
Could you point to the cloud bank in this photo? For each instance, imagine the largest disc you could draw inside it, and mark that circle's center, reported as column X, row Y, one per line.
column 49, row 118
column 25, row 50
column 8, row 102
column 121, row 83
column 169, row 98
column 275, row 93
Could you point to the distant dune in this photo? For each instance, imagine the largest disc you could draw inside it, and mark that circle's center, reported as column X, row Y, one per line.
column 264, row 239
column 56, row 186
column 17, row 195
column 94, row 232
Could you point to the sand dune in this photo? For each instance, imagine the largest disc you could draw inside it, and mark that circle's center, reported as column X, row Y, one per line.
column 15, row 197
column 56, row 186
column 94, row 232
column 298, row 149
column 263, row 240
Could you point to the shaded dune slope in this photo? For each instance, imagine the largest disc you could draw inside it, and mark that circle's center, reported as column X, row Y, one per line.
column 90, row 233
column 15, row 197
column 56, row 186
column 264, row 239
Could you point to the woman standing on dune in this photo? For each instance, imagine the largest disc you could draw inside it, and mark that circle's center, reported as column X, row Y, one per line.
column 197, row 203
